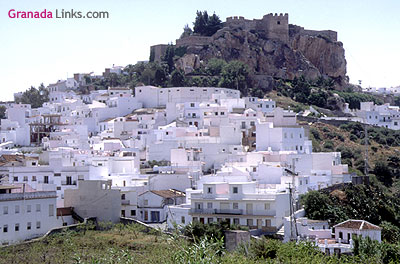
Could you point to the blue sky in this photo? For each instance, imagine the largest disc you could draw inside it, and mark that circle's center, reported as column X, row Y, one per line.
column 45, row 50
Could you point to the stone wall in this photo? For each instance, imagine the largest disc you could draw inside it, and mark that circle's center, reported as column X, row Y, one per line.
column 193, row 41
column 159, row 51
column 272, row 26
column 295, row 30
column 234, row 238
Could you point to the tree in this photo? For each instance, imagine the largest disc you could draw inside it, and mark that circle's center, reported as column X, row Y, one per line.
column 316, row 205
column 383, row 173
column 168, row 57
column 2, row 111
column 187, row 31
column 235, row 75
column 215, row 66
column 200, row 24
column 34, row 97
column 213, row 25
column 206, row 25
column 177, row 78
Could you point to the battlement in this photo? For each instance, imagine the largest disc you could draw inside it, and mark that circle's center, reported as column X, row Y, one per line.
column 234, row 18
column 281, row 15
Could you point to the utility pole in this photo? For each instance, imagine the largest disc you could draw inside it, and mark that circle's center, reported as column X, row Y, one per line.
column 366, row 149
column 290, row 211
column 292, row 217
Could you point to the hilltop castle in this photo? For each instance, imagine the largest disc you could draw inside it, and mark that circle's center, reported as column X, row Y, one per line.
column 271, row 26
column 270, row 46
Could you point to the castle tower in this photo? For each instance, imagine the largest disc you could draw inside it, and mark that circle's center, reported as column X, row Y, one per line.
column 275, row 26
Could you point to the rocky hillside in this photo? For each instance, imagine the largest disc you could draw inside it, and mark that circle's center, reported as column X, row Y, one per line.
column 311, row 56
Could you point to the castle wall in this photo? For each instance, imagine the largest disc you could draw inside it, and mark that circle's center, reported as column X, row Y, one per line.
column 193, row 41
column 295, row 30
column 241, row 22
column 330, row 34
column 276, row 26
column 159, row 51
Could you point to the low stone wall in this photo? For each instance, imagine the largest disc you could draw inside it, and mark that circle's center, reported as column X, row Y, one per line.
column 193, row 41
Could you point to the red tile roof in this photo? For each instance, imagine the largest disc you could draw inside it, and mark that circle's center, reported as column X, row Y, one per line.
column 357, row 224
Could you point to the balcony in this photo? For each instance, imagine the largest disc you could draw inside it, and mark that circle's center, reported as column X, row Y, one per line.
column 27, row 195
column 261, row 212
column 68, row 182
column 229, row 211
column 202, row 211
column 125, row 202
column 233, row 212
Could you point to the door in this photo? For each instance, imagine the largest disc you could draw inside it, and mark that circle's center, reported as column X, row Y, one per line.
column 146, row 215
column 155, row 216
column 259, row 223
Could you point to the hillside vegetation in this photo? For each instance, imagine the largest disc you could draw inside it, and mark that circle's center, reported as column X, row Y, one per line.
column 127, row 244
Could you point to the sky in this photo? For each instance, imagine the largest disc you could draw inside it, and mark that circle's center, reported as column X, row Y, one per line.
column 34, row 51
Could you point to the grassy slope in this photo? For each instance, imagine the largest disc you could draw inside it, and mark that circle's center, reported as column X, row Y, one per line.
column 376, row 151
column 125, row 245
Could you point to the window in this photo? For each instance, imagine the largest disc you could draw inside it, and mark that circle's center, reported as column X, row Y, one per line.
column 33, row 178
column 209, row 205
column 51, row 209
column 17, row 209
column 28, row 226
column 146, row 202
column 57, row 174
column 191, row 104
column 38, row 225
column 123, row 196
column 25, row 178
column 123, row 213
column 267, row 206
column 195, row 219
column 222, row 113
column 28, row 208
column 182, row 219
column 236, row 221
column 5, row 210
column 133, row 212
column 15, row 179
column 46, row 179
column 249, row 222
column 16, row 228
column 235, row 206
column 38, row 208
column 5, row 228
column 235, row 190
column 209, row 190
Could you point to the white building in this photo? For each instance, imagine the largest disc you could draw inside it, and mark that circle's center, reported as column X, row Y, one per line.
column 240, row 203
column 25, row 215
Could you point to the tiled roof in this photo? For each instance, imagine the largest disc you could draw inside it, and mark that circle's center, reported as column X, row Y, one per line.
column 357, row 224
column 171, row 193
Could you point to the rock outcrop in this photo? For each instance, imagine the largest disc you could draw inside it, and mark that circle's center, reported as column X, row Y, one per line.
column 307, row 53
